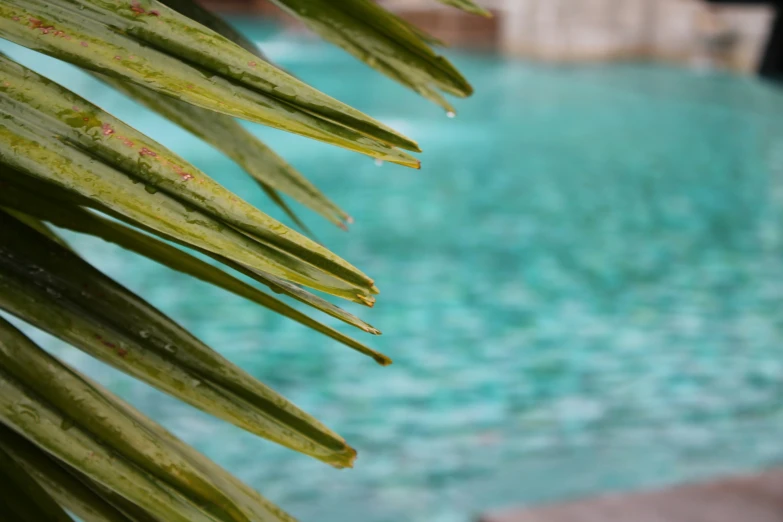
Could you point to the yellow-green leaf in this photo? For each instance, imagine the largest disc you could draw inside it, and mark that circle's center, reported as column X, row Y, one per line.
column 174, row 55
column 228, row 136
column 39, row 107
column 52, row 288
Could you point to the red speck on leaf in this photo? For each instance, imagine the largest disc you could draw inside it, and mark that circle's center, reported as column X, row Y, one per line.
column 15, row 18
column 147, row 152
column 122, row 352
column 77, row 109
column 154, row 12
column 137, row 8
column 252, row 64
column 186, row 176
column 107, row 130
column 105, row 342
column 84, row 44
column 37, row 24
column 118, row 57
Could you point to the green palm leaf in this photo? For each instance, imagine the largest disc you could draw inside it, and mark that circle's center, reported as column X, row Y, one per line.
column 46, row 124
column 195, row 12
column 228, row 136
column 77, row 219
column 384, row 42
column 157, row 51
column 80, row 423
column 77, row 493
column 66, row 441
column 53, row 289
column 23, row 198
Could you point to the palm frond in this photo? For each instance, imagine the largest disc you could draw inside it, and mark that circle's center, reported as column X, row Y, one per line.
column 53, row 289
column 70, row 489
column 228, row 136
column 101, row 157
column 165, row 51
column 383, row 41
column 77, row 219
column 20, row 193
column 83, row 425
column 66, row 442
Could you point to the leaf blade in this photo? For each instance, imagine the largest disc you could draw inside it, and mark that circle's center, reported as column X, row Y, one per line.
column 57, row 479
column 96, row 46
column 40, row 106
column 82, row 221
column 234, row 141
column 53, row 289
column 24, row 496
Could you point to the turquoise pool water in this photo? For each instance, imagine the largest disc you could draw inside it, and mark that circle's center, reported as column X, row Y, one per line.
column 581, row 290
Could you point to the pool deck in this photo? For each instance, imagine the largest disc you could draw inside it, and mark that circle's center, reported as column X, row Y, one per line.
column 752, row 498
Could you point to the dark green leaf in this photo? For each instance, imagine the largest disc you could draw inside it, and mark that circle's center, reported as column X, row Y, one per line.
column 24, row 497
column 80, row 220
column 52, row 288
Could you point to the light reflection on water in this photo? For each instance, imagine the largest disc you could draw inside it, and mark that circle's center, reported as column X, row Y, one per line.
column 581, row 291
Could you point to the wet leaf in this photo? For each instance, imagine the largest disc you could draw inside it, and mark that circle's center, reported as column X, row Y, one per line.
column 195, row 12
column 21, row 197
column 81, row 424
column 69, row 167
column 53, row 289
column 228, row 136
column 79, row 220
column 145, row 42
column 66, row 486
column 383, row 41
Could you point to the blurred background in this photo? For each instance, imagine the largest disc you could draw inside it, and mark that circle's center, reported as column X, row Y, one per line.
column 581, row 289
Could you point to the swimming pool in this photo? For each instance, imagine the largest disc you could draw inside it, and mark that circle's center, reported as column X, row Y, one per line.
column 581, row 290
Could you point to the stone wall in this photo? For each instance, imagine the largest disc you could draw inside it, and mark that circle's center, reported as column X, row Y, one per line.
column 687, row 31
